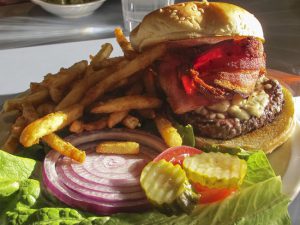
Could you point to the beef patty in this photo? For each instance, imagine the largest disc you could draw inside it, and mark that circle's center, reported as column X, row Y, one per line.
column 228, row 127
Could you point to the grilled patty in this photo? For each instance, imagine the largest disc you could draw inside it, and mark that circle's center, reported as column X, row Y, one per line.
column 228, row 127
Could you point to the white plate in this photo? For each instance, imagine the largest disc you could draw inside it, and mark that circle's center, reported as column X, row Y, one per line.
column 21, row 66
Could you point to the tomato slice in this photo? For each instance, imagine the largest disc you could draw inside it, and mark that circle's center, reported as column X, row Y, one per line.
column 176, row 155
column 209, row 195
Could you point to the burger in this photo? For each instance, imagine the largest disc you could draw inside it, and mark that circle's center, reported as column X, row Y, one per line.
column 214, row 74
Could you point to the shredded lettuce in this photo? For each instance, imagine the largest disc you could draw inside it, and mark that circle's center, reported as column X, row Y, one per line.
column 259, row 201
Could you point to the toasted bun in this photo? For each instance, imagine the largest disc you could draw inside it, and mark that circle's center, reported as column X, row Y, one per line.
column 266, row 138
column 194, row 20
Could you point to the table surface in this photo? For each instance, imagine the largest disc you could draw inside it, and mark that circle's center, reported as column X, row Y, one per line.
column 25, row 24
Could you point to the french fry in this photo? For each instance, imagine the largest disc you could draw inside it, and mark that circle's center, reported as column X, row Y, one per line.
column 116, row 117
column 168, row 132
column 36, row 87
column 118, row 147
column 135, row 89
column 18, row 126
column 11, row 144
column 60, row 83
column 34, row 98
column 81, row 87
column 124, row 44
column 56, row 93
column 64, row 148
column 76, row 127
column 104, row 53
column 110, row 62
column 131, row 122
column 149, row 83
column 29, row 112
column 46, row 108
column 12, row 141
column 49, row 124
column 147, row 113
column 96, row 125
column 127, row 103
column 120, row 84
column 135, row 65
column 66, row 76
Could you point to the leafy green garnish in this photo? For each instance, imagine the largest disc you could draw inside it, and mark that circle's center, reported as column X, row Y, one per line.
column 187, row 134
column 15, row 168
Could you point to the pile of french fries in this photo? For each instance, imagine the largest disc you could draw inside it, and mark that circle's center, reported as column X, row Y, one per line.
column 105, row 89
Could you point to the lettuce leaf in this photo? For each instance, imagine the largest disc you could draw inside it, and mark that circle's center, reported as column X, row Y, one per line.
column 14, row 167
column 258, row 169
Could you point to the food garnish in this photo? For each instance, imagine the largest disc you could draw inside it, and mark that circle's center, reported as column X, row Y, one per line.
column 167, row 187
column 215, row 169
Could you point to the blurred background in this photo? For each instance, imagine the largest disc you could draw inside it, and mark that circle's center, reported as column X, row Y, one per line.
column 27, row 24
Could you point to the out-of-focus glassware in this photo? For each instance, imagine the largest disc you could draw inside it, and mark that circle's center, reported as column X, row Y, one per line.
column 135, row 10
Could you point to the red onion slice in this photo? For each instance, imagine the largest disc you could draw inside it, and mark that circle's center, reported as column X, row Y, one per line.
column 103, row 184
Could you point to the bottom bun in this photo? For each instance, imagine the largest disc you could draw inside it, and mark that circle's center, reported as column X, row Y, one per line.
column 267, row 138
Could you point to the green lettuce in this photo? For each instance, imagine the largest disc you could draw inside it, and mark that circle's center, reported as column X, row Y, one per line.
column 260, row 201
column 14, row 167
column 187, row 134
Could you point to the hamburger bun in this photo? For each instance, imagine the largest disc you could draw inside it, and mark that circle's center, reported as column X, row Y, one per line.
column 267, row 138
column 210, row 21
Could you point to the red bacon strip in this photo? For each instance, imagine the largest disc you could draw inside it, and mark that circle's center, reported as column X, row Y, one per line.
column 222, row 69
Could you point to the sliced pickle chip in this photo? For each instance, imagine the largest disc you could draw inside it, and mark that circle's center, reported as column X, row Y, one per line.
column 167, row 187
column 215, row 169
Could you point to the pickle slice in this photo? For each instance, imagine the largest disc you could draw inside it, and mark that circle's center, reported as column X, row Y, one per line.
column 215, row 169
column 167, row 187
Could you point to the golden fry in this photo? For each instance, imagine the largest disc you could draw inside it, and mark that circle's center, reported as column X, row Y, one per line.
column 135, row 89
column 49, row 123
column 11, row 144
column 131, row 122
column 104, row 53
column 135, row 65
column 168, row 132
column 76, row 127
column 81, row 87
column 96, row 125
column 12, row 141
column 149, row 83
column 110, row 62
column 45, row 108
column 36, row 87
column 29, row 112
column 56, row 93
column 18, row 126
column 64, row 148
column 34, row 98
column 118, row 147
column 147, row 113
column 127, row 103
column 65, row 76
column 116, row 117
column 124, row 44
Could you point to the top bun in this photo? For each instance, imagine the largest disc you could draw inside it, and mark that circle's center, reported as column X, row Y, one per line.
column 194, row 20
